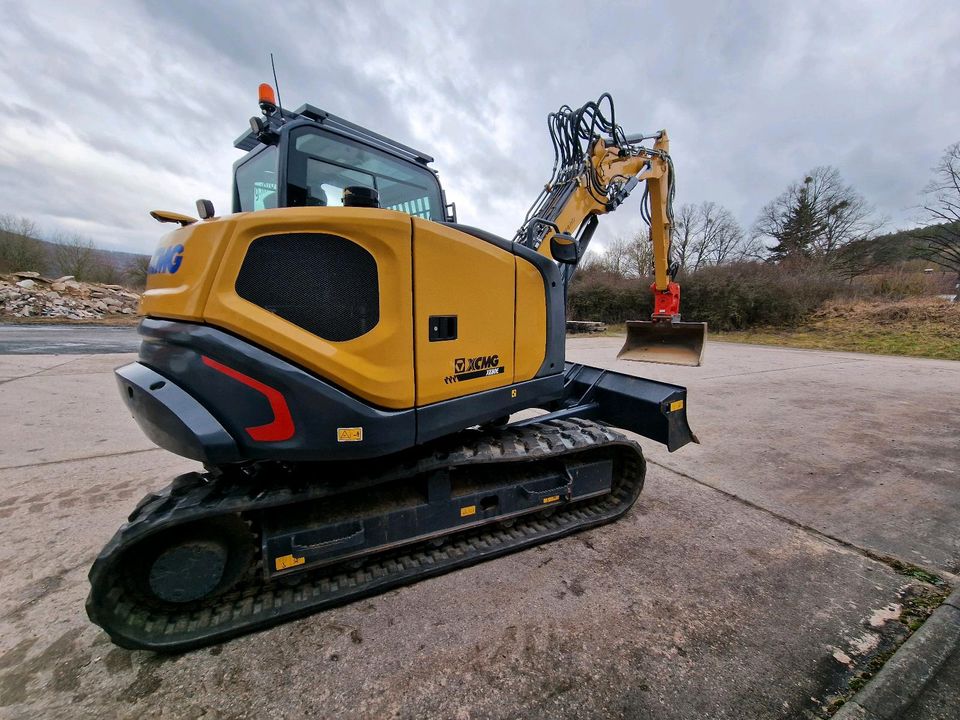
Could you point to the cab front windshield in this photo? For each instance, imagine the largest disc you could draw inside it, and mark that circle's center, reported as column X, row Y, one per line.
column 320, row 165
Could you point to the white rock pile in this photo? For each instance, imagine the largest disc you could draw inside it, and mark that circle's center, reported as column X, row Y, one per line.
column 26, row 294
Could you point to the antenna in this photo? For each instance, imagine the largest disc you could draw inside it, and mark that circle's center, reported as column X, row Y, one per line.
column 277, row 86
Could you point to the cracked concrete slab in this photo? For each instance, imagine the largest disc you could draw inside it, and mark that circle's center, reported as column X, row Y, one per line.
column 861, row 447
column 17, row 366
column 693, row 605
column 86, row 364
column 64, row 415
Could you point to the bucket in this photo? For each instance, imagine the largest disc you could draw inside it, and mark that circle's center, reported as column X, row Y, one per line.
column 664, row 341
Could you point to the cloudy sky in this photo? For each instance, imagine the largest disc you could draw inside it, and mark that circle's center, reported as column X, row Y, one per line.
column 111, row 109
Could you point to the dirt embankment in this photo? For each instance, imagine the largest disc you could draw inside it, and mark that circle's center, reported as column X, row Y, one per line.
column 943, row 314
column 921, row 327
column 27, row 296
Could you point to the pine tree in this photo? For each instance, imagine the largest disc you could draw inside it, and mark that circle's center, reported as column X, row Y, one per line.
column 800, row 230
column 815, row 218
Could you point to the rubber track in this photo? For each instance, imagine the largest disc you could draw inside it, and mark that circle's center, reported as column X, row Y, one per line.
column 263, row 604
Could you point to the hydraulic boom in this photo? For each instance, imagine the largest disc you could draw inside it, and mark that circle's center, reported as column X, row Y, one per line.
column 596, row 167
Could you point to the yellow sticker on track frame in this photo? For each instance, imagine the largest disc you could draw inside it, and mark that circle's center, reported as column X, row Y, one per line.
column 354, row 434
column 288, row 561
column 551, row 499
column 676, row 405
column 468, row 510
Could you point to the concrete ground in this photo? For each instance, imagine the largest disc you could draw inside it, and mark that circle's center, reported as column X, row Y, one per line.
column 720, row 595
column 864, row 448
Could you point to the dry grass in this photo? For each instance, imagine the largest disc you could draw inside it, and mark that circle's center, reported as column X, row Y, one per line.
column 920, row 327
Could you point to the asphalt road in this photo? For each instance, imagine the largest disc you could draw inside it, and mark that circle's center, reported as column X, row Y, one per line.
column 66, row 339
column 743, row 583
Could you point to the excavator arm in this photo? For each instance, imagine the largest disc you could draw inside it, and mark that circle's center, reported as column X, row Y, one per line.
column 596, row 168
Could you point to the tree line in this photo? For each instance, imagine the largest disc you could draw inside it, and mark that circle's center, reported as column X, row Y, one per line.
column 819, row 219
column 22, row 248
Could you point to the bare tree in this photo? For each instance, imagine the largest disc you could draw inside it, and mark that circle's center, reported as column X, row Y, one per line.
column 700, row 245
column 722, row 234
column 815, row 217
column 616, row 257
column 590, row 261
column 75, row 255
column 105, row 270
column 847, row 216
column 640, row 255
column 704, row 234
column 136, row 271
column 857, row 257
column 940, row 243
column 686, row 227
column 19, row 247
column 751, row 249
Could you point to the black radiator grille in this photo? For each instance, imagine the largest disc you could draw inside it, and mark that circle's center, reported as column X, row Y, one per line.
column 323, row 283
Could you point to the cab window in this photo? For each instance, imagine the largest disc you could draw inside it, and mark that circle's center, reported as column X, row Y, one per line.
column 256, row 182
column 320, row 165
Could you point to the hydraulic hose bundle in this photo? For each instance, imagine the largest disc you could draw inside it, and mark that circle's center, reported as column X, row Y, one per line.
column 574, row 134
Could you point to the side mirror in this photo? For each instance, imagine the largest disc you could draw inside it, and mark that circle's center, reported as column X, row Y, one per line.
column 564, row 249
column 205, row 209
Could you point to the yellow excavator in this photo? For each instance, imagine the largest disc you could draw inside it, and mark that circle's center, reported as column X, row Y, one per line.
column 344, row 358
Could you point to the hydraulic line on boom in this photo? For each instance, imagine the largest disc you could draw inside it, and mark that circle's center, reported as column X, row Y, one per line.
column 596, row 166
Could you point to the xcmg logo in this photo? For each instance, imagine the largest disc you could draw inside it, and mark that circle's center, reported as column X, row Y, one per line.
column 475, row 367
column 481, row 362
column 166, row 260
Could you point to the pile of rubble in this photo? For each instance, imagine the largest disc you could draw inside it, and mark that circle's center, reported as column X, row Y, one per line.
column 26, row 294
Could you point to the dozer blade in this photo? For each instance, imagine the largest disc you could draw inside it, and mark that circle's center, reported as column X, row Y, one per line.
column 661, row 341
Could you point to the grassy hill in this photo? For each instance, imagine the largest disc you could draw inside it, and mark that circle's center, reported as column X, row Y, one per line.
column 921, row 327
column 893, row 250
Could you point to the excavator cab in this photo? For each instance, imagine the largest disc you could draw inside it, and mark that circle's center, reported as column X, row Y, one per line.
column 313, row 158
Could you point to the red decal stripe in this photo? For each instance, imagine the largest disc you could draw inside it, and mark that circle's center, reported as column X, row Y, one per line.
column 281, row 427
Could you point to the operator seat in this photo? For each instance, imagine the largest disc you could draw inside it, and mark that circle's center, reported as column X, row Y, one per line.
column 316, row 197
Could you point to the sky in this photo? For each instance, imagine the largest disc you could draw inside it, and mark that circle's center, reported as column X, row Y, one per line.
column 113, row 109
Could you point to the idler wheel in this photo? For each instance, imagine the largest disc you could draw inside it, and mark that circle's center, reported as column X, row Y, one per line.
column 192, row 563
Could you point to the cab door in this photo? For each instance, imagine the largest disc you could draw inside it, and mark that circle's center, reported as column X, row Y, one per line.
column 464, row 311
